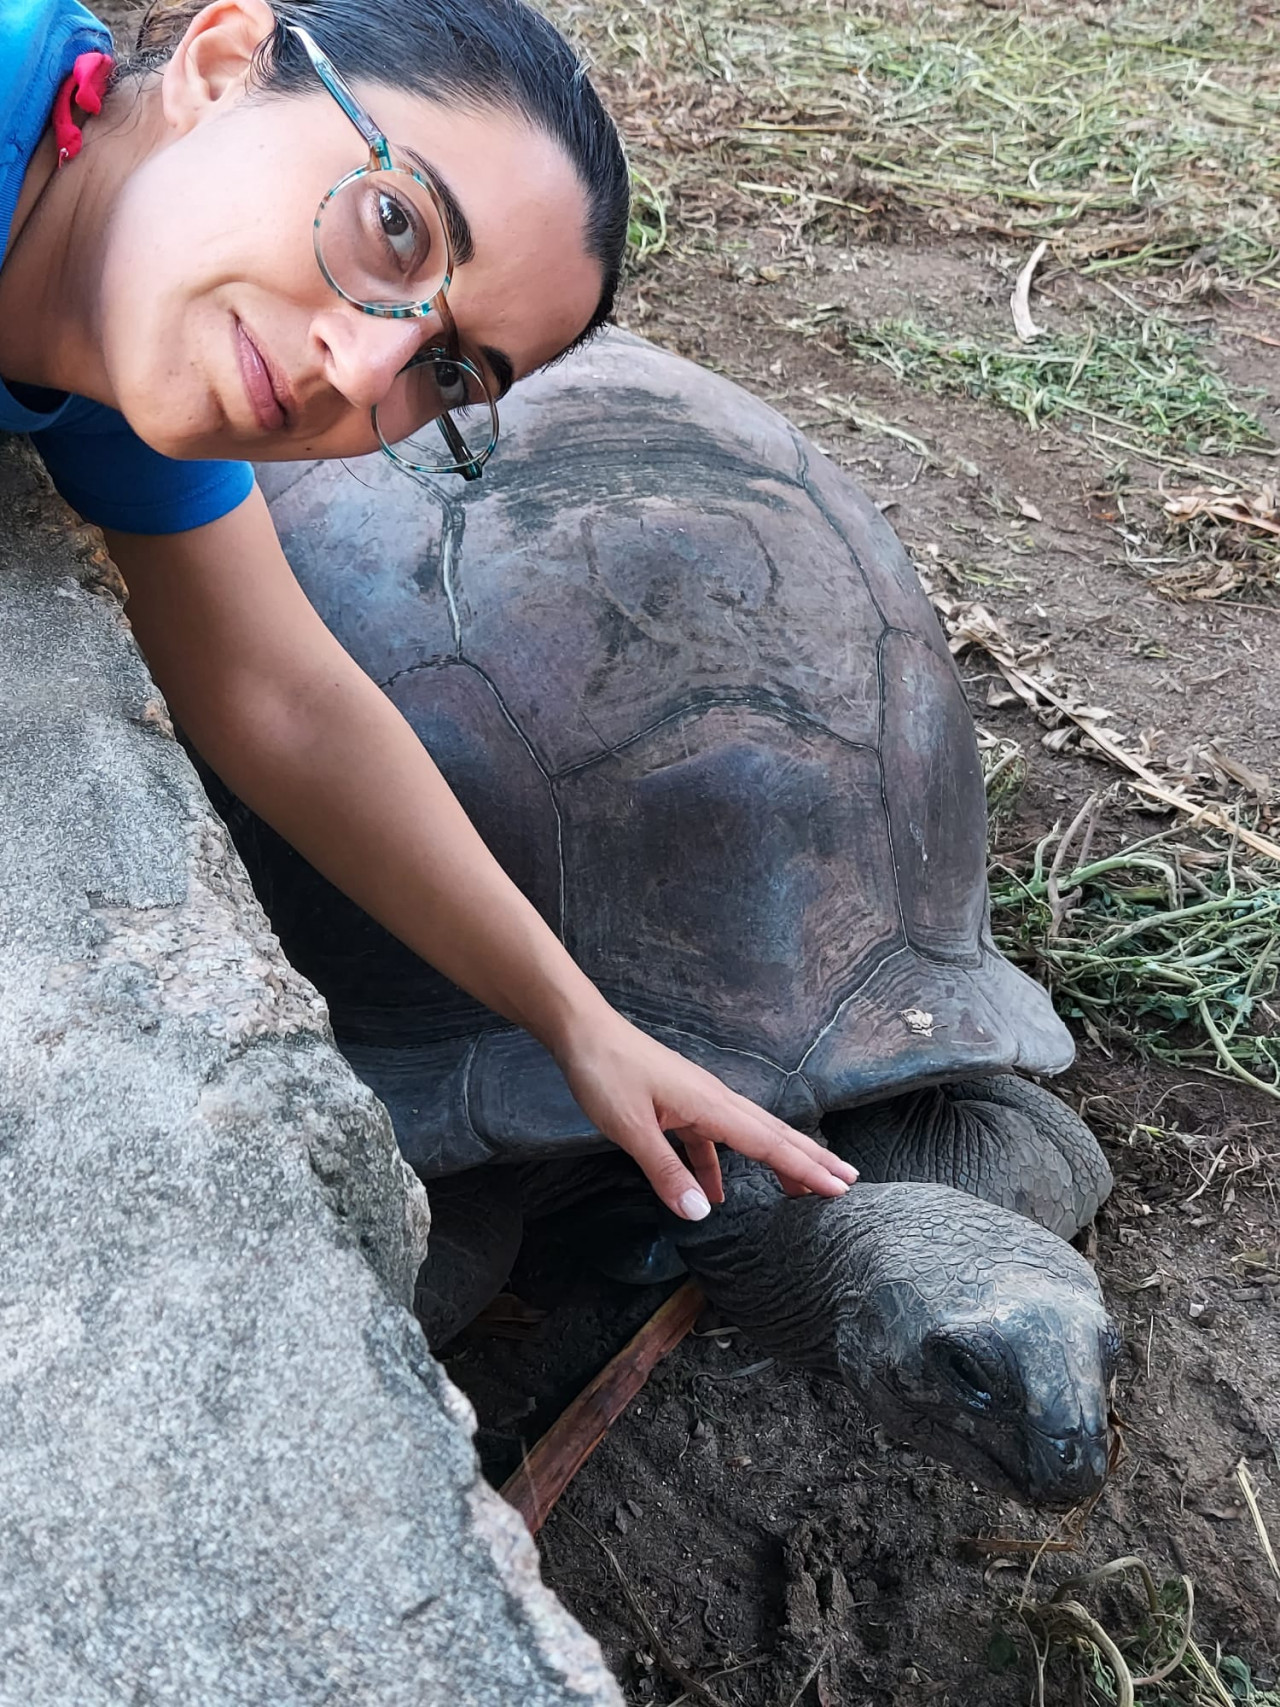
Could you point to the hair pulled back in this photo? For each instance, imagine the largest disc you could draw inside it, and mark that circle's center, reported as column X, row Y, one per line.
column 472, row 55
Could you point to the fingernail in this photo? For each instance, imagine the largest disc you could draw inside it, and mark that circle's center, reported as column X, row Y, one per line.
column 843, row 1186
column 694, row 1206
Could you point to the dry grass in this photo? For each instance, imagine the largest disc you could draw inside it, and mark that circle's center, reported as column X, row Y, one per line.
column 1218, row 543
column 1140, row 138
column 1131, row 135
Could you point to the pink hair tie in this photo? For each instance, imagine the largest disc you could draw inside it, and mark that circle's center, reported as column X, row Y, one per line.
column 85, row 88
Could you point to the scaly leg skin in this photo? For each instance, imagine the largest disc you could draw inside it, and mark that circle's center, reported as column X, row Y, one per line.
column 966, row 1329
column 1002, row 1138
column 476, row 1228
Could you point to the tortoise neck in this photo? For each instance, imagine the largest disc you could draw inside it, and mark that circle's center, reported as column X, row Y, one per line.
column 794, row 1276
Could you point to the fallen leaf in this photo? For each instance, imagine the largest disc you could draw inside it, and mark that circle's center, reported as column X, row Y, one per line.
column 1258, row 783
column 1259, row 510
column 998, row 697
column 1057, row 740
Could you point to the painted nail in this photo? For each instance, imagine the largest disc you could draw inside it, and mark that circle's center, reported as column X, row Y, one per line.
column 694, row 1206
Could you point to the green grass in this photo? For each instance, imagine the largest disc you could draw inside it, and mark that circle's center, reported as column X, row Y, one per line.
column 1171, row 951
column 1140, row 386
column 1131, row 134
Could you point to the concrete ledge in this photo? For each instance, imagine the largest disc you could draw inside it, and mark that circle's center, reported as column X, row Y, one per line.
column 230, row 1472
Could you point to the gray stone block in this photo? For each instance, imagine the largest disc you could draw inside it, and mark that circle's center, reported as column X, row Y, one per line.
column 230, row 1472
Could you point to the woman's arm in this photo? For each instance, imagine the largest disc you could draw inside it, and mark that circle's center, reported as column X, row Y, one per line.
column 303, row 736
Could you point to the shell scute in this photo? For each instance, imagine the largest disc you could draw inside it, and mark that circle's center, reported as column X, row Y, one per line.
column 774, row 830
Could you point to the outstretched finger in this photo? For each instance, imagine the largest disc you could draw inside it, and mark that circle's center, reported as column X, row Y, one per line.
column 704, row 1159
column 649, row 1147
column 817, row 1151
column 796, row 1158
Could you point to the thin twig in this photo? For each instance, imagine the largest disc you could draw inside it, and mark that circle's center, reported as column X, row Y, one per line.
column 809, row 1676
column 1148, row 782
column 1208, row 1178
column 1212, row 1676
column 1058, row 908
column 1247, row 1488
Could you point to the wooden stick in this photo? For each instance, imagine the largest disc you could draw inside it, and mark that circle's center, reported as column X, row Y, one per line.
column 535, row 1487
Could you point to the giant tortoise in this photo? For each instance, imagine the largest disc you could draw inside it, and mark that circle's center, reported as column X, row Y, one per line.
column 683, row 677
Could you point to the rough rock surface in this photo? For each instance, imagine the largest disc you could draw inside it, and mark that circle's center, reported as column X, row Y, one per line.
column 230, row 1473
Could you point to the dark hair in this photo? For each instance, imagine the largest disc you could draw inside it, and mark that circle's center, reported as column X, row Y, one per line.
column 487, row 55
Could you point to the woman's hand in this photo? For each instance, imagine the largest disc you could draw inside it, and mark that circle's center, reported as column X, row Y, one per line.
column 636, row 1091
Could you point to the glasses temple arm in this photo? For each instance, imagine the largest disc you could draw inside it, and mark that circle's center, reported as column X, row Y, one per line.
column 334, row 82
column 465, row 462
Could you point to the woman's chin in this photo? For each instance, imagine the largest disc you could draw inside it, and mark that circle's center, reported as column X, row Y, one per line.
column 210, row 433
column 195, row 434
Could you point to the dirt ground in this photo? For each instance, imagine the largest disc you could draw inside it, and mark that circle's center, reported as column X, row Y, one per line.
column 772, row 1546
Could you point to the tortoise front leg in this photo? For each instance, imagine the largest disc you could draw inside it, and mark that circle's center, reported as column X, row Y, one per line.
column 1002, row 1138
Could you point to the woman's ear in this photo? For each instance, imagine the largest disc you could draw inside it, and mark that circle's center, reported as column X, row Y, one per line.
column 213, row 60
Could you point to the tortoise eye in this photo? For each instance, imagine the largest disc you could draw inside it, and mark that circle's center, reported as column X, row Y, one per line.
column 969, row 1368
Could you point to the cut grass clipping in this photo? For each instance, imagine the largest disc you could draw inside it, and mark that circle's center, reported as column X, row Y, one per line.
column 1137, row 134
column 1161, row 1658
column 1168, row 948
column 1140, row 387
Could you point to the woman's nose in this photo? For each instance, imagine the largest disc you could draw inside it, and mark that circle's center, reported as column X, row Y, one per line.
column 366, row 352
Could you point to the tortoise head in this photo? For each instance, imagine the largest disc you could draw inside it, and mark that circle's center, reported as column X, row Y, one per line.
column 982, row 1339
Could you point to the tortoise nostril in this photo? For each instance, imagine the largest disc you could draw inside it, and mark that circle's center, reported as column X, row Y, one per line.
column 1071, row 1467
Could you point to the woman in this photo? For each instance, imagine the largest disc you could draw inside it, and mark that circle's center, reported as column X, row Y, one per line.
column 214, row 252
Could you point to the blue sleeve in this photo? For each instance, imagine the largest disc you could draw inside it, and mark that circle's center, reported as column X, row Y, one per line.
column 104, row 471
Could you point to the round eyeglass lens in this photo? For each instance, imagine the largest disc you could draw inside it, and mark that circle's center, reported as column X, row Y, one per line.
column 438, row 418
column 380, row 240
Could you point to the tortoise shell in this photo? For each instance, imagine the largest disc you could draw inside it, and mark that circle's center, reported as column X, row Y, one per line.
column 681, row 674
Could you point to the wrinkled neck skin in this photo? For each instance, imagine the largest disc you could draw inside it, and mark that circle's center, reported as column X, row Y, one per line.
column 783, row 1280
column 969, row 1332
column 49, row 281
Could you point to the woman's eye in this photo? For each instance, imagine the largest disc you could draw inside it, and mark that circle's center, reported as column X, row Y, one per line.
column 451, row 382
column 399, row 232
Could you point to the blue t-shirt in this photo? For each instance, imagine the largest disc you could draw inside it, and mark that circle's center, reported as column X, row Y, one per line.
column 98, row 463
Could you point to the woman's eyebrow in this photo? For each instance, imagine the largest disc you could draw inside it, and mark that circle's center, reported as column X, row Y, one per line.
column 456, row 222
column 462, row 243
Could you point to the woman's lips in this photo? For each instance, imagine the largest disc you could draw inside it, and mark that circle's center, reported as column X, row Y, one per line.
column 257, row 383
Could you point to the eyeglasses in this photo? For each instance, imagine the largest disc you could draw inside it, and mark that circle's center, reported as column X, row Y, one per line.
column 381, row 240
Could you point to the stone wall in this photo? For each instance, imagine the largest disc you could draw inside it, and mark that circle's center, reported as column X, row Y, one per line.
column 230, row 1472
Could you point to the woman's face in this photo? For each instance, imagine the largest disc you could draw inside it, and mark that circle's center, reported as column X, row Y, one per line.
column 210, row 244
